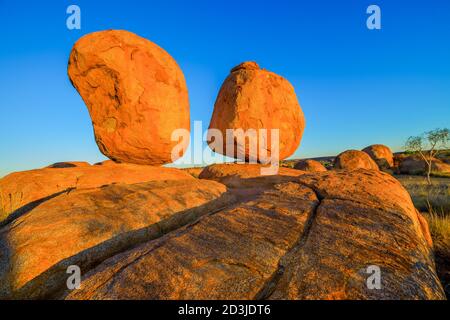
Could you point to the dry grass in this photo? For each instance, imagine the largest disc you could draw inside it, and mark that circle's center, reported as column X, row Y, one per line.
column 288, row 163
column 3, row 214
column 439, row 224
column 434, row 202
column 437, row 195
column 440, row 174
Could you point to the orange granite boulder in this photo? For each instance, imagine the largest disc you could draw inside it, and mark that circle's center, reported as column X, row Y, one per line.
column 381, row 154
column 354, row 159
column 136, row 95
column 252, row 98
column 310, row 166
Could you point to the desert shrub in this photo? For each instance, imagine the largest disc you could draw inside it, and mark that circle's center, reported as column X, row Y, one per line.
column 327, row 164
column 409, row 153
column 288, row 163
column 444, row 154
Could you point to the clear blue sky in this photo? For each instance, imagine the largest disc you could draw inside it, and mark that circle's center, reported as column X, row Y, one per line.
column 356, row 87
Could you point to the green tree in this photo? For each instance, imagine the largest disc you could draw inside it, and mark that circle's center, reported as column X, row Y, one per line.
column 428, row 146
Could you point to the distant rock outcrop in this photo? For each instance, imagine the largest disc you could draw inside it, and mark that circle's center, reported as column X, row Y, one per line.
column 354, row 159
column 254, row 98
column 381, row 154
column 135, row 92
column 310, row 166
column 416, row 165
column 69, row 164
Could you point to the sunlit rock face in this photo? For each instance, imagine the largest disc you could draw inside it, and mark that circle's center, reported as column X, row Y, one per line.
column 254, row 98
column 381, row 154
column 136, row 95
column 354, row 159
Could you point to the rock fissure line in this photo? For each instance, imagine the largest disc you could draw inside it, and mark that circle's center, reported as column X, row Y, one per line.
column 271, row 284
column 158, row 242
column 16, row 214
column 356, row 201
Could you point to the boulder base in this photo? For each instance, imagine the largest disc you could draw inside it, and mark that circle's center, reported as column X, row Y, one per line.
column 246, row 175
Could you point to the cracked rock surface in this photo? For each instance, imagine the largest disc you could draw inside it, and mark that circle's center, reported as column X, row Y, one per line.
column 312, row 237
column 84, row 227
column 230, row 254
column 136, row 95
column 232, row 234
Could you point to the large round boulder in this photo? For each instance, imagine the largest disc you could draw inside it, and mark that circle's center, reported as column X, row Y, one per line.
column 381, row 154
column 253, row 99
column 136, row 95
column 354, row 159
column 310, row 166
